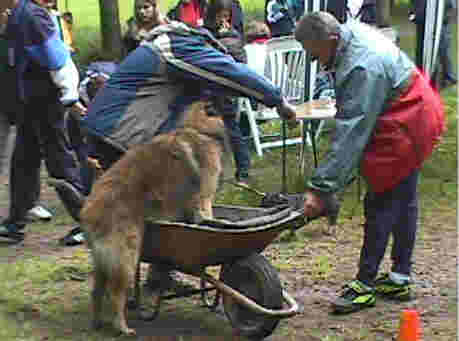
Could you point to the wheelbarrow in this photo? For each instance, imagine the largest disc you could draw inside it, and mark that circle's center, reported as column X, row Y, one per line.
column 249, row 286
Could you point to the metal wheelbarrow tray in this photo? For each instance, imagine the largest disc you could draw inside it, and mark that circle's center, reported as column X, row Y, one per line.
column 253, row 298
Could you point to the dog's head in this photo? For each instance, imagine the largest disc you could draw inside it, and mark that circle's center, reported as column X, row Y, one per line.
column 204, row 117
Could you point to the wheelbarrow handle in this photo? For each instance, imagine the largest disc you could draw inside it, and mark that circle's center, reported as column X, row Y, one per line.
column 249, row 303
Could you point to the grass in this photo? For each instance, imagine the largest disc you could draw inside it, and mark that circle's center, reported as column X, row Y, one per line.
column 43, row 297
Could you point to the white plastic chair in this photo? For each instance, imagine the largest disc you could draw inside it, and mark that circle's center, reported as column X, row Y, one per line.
column 285, row 67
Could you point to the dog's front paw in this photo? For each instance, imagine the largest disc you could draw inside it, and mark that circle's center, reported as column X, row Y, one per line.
column 128, row 331
column 331, row 230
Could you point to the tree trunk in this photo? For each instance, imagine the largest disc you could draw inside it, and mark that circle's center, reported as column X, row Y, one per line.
column 110, row 28
column 383, row 13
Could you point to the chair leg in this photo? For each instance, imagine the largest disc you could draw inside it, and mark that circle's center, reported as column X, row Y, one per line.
column 253, row 128
column 284, row 157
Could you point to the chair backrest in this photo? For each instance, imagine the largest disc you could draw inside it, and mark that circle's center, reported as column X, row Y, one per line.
column 285, row 67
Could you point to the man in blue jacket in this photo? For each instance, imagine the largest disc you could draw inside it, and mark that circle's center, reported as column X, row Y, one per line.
column 175, row 66
column 148, row 94
column 47, row 82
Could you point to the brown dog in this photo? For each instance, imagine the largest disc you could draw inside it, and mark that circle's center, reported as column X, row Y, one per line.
column 176, row 174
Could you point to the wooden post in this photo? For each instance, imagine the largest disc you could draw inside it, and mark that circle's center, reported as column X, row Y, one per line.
column 110, row 29
column 383, row 11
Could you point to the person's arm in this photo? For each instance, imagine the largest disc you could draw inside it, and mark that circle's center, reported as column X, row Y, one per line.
column 191, row 59
column 50, row 52
column 360, row 99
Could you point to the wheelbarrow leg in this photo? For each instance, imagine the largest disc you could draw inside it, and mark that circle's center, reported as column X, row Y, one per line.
column 205, row 299
column 142, row 314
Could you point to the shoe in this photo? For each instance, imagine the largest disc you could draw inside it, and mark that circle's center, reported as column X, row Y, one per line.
column 74, row 237
column 388, row 289
column 355, row 297
column 40, row 213
column 12, row 231
column 71, row 198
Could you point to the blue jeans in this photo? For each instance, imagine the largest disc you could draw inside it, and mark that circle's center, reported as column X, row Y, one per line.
column 239, row 145
column 444, row 57
column 40, row 135
column 395, row 213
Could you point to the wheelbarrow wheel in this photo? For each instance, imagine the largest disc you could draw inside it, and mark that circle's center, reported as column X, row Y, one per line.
column 255, row 278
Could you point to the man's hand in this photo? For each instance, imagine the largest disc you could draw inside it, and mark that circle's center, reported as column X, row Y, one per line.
column 94, row 163
column 286, row 110
column 313, row 205
column 79, row 108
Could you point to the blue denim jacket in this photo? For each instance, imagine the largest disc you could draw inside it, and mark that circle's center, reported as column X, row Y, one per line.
column 173, row 67
column 369, row 72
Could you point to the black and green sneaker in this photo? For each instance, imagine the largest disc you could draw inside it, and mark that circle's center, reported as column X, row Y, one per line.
column 386, row 288
column 355, row 296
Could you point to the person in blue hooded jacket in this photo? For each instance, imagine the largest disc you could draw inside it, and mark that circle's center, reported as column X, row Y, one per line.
column 47, row 84
column 148, row 94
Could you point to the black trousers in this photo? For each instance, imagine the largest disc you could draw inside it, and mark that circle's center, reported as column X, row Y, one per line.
column 395, row 213
column 41, row 134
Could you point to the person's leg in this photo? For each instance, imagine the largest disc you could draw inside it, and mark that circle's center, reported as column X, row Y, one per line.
column 24, row 179
column 448, row 73
column 24, row 173
column 60, row 158
column 240, row 148
column 379, row 219
column 382, row 213
column 404, row 232
column 79, row 145
column 61, row 162
column 396, row 284
column 5, row 132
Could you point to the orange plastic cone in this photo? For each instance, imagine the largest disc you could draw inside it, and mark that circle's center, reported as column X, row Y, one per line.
column 410, row 326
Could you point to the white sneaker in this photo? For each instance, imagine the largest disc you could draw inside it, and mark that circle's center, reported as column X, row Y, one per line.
column 40, row 212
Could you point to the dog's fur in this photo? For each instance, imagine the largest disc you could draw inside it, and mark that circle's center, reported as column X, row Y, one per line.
column 176, row 174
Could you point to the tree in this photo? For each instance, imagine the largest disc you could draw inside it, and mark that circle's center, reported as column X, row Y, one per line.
column 110, row 28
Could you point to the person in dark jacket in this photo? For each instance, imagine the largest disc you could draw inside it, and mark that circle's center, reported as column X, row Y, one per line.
column 47, row 84
column 10, row 107
column 218, row 21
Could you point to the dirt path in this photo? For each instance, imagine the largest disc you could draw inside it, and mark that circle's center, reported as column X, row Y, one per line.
column 312, row 269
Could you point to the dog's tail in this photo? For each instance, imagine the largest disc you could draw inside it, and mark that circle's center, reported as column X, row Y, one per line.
column 108, row 262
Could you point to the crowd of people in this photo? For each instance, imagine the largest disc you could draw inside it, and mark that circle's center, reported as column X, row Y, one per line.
column 200, row 50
